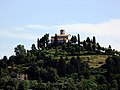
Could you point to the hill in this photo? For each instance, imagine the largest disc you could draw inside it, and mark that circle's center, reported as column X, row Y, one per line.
column 61, row 65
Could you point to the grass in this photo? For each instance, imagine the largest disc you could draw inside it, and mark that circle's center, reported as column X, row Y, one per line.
column 94, row 61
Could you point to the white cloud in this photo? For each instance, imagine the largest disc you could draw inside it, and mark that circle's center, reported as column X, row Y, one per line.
column 18, row 28
column 106, row 32
column 11, row 34
column 109, row 28
column 37, row 27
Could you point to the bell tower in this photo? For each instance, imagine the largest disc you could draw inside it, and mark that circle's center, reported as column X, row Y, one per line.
column 62, row 32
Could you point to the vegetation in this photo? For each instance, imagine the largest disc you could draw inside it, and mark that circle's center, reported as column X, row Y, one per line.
column 75, row 65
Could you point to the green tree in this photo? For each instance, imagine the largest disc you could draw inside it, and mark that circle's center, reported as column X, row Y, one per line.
column 38, row 43
column 71, row 84
column 52, row 75
column 62, row 66
column 94, row 40
column 55, row 41
column 78, row 40
column 24, row 85
column 94, row 44
column 114, row 85
column 84, row 44
column 74, row 39
column 33, row 48
column 98, row 48
column 20, row 52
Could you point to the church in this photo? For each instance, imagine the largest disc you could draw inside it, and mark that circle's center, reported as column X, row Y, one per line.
column 61, row 38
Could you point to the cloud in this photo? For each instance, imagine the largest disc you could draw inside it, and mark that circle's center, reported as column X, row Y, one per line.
column 44, row 27
column 12, row 34
column 18, row 28
column 109, row 28
column 107, row 33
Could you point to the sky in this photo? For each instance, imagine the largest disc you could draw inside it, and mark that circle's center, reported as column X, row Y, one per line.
column 23, row 21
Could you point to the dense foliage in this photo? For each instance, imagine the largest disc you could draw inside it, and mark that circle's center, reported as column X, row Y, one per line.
column 53, row 66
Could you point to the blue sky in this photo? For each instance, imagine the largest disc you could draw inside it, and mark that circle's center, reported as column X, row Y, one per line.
column 23, row 21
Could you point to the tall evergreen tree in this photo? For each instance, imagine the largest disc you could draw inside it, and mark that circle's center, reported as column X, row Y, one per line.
column 88, row 39
column 38, row 43
column 20, row 52
column 62, row 66
column 94, row 44
column 94, row 40
column 84, row 44
column 73, row 39
column 78, row 40
column 55, row 40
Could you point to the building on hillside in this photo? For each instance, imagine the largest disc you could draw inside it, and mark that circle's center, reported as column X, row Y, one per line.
column 22, row 76
column 61, row 38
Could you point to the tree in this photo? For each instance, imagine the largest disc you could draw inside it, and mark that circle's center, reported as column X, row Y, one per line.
column 24, row 85
column 94, row 44
column 5, row 58
column 94, row 40
column 73, row 65
column 20, row 52
column 93, row 47
column 71, row 84
column 109, row 50
column 46, row 39
column 73, row 39
column 55, row 40
column 52, row 75
column 4, row 62
column 114, row 85
column 88, row 46
column 78, row 40
column 38, row 43
column 98, row 48
column 43, row 42
column 68, row 46
column 33, row 48
column 88, row 40
column 84, row 44
column 62, row 66
column 113, row 65
column 101, row 80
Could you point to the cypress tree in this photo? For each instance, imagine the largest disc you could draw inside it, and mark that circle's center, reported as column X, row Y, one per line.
column 55, row 40
column 78, row 40
column 94, row 40
column 38, row 43
column 94, row 44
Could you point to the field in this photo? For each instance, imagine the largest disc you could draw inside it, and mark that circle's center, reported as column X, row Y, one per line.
column 94, row 61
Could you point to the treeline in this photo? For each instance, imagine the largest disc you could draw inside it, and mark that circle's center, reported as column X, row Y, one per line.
column 59, row 67
column 75, row 46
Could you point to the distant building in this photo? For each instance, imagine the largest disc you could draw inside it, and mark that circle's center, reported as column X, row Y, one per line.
column 22, row 76
column 62, row 37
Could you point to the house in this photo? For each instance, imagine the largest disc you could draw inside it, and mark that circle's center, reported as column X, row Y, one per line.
column 22, row 76
column 61, row 38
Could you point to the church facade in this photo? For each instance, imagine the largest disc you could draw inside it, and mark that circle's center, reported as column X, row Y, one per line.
column 61, row 38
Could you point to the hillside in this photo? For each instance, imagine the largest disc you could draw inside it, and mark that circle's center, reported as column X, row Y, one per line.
column 95, row 61
column 61, row 65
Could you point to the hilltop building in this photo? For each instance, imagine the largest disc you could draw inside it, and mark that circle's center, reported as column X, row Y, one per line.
column 62, row 37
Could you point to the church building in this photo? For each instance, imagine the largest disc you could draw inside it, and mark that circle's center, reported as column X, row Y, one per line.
column 62, row 37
